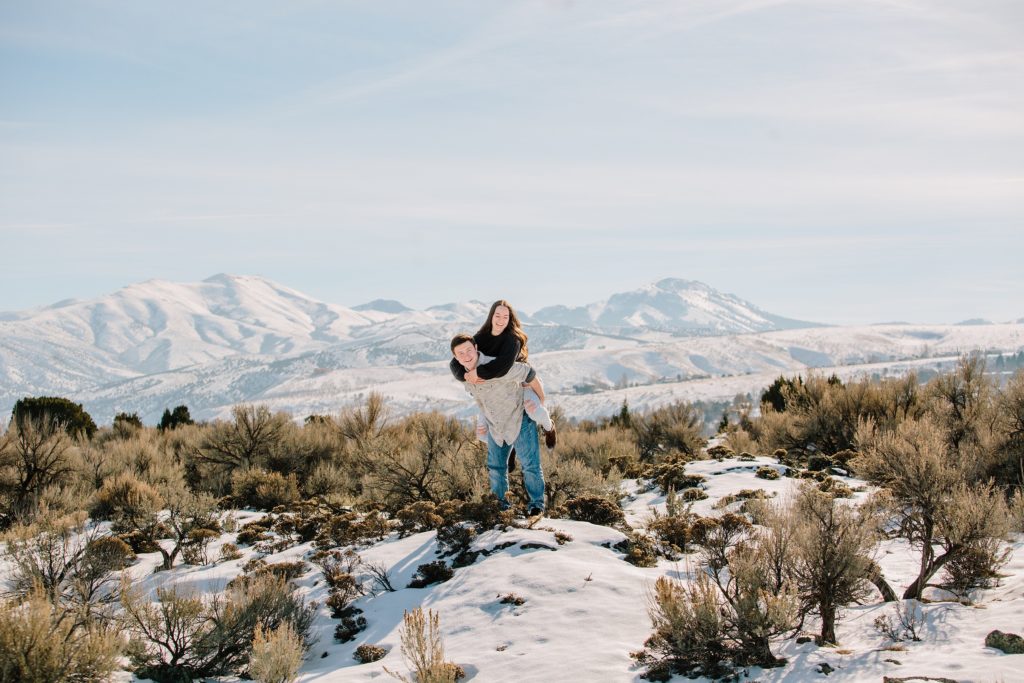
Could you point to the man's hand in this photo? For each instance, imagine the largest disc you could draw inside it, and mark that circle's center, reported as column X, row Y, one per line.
column 472, row 377
column 531, row 405
column 481, row 431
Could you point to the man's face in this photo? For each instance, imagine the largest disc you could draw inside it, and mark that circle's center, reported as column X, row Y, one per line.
column 466, row 354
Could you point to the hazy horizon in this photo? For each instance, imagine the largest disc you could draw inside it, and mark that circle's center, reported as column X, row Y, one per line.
column 845, row 162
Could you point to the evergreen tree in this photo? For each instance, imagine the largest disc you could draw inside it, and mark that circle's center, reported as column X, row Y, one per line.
column 170, row 420
column 623, row 419
column 127, row 420
column 52, row 411
column 775, row 394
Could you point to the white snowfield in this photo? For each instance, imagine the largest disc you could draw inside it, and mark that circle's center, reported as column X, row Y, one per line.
column 585, row 608
column 243, row 339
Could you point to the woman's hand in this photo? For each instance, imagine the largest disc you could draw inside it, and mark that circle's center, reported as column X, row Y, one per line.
column 473, row 378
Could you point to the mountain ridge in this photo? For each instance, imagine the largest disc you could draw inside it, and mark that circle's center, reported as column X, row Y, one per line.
column 232, row 339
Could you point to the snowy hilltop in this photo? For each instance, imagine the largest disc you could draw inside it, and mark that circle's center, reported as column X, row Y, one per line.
column 560, row 602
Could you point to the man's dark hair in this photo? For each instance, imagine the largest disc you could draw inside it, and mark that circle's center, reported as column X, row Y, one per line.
column 461, row 339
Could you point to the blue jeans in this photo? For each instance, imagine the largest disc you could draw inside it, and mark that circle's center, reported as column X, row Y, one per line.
column 528, row 452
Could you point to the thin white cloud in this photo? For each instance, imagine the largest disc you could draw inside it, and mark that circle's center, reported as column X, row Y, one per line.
column 38, row 227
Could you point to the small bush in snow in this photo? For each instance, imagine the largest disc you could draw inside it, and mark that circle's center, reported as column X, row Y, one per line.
column 352, row 624
column 720, row 452
column 819, row 463
column 252, row 535
column 365, row 654
column 561, row 538
column 431, row 572
column 767, row 472
column 672, row 533
column 229, row 552
column 639, row 549
column 423, row 649
column 835, row 488
column 512, row 599
column 976, row 566
column 743, row 494
column 352, row 528
column 670, row 473
column 263, row 490
column 285, row 571
column 417, row 517
column 689, row 631
column 182, row 637
column 44, row 643
column 595, row 510
column 692, row 494
column 276, row 655
column 903, row 624
column 726, row 617
column 1010, row 643
column 193, row 551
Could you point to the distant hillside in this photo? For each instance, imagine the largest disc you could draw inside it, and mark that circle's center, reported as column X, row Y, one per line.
column 236, row 339
column 682, row 307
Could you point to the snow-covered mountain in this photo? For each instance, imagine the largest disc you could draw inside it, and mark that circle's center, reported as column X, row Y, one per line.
column 157, row 325
column 235, row 339
column 682, row 307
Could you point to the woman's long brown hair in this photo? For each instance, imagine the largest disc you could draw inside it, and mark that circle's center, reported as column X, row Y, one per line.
column 514, row 328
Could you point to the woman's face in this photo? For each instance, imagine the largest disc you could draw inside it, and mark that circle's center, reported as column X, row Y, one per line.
column 499, row 321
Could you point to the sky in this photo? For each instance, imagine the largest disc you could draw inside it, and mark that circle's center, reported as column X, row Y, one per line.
column 843, row 161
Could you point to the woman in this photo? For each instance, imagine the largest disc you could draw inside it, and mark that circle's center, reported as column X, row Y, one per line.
column 502, row 340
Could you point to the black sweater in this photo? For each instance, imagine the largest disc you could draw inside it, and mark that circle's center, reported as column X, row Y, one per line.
column 504, row 348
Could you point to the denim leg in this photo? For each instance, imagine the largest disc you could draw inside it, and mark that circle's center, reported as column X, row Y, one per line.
column 497, row 469
column 528, row 450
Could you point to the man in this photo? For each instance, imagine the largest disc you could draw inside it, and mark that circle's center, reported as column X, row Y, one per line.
column 501, row 403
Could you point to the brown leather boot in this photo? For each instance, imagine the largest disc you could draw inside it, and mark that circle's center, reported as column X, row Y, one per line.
column 549, row 437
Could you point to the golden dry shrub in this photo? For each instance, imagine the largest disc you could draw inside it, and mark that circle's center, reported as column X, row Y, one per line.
column 423, row 649
column 42, row 643
column 263, row 490
column 1008, row 460
column 566, row 478
column 597, row 448
column 36, row 457
column 276, row 655
column 833, row 547
column 250, row 439
column 740, row 441
column 931, row 497
column 675, row 427
column 425, row 456
column 130, row 503
column 304, row 447
column 690, row 633
column 229, row 552
column 331, row 482
column 49, row 555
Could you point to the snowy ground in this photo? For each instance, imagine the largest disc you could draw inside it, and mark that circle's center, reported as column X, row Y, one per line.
column 585, row 608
